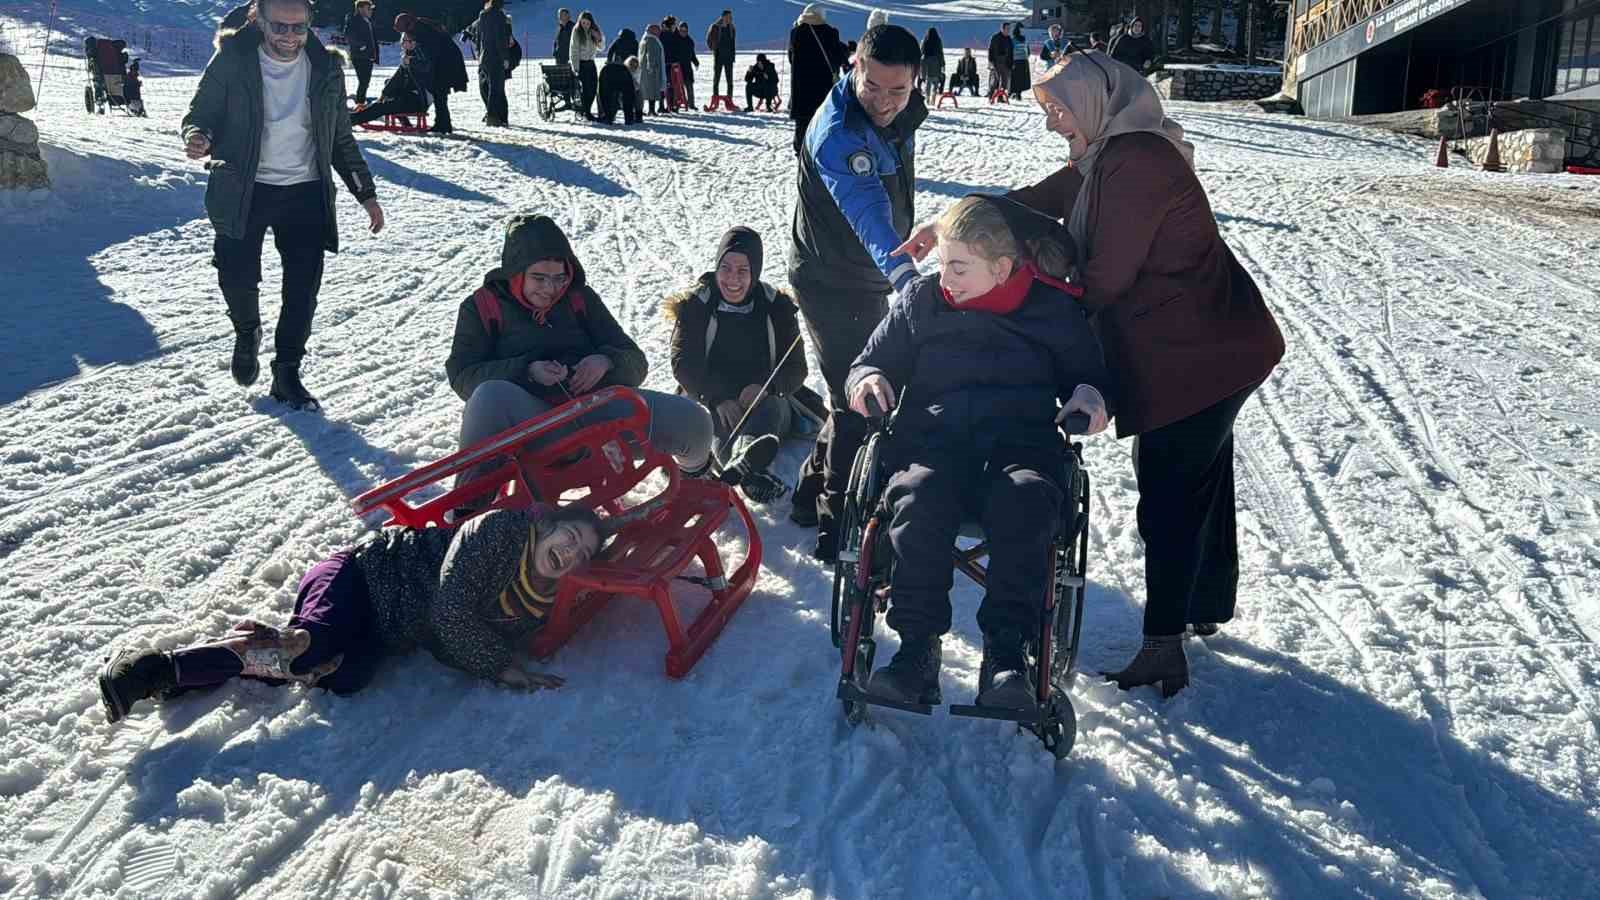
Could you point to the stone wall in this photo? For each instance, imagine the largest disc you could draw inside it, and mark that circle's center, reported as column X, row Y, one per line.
column 21, row 166
column 1210, row 84
column 1535, row 150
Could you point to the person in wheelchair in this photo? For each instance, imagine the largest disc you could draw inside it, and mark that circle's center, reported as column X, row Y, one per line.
column 980, row 354
column 471, row 595
column 761, row 84
column 730, row 330
column 537, row 335
column 406, row 92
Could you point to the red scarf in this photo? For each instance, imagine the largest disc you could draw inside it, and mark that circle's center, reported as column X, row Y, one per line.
column 1007, row 296
column 539, row 313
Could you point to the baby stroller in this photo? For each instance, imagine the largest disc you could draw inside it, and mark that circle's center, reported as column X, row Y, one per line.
column 861, row 594
column 559, row 91
column 113, row 79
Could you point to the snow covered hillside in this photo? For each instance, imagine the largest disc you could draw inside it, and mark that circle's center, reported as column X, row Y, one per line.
column 1407, row 706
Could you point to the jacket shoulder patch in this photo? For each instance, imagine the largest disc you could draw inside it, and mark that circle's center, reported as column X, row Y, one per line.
column 861, row 163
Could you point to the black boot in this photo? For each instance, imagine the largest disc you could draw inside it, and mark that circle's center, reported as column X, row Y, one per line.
column 913, row 675
column 287, row 389
column 1160, row 660
column 762, row 487
column 750, row 455
column 246, row 362
column 1206, row 629
column 1006, row 666
column 134, row 675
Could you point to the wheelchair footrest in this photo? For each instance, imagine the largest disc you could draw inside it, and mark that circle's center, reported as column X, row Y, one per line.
column 1032, row 714
column 849, row 691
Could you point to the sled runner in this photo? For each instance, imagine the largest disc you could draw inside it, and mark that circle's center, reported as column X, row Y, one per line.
column 861, row 594
column 947, row 95
column 409, row 123
column 594, row 451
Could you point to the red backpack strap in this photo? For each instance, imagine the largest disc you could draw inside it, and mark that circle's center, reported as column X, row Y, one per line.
column 488, row 308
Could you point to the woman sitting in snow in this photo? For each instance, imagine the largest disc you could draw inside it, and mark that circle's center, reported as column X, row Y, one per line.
column 472, row 595
column 983, row 352
column 730, row 330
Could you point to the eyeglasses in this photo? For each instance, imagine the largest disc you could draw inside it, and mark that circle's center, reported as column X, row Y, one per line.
column 288, row 27
column 549, row 282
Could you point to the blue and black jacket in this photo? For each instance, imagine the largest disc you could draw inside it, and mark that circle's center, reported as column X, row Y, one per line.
column 857, row 194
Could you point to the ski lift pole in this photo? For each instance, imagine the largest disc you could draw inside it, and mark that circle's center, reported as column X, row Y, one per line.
column 733, row 435
column 44, row 57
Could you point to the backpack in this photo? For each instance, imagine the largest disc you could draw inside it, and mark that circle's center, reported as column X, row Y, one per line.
column 488, row 304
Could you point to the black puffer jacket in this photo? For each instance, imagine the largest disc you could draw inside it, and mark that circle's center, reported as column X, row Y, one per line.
column 976, row 380
column 718, row 348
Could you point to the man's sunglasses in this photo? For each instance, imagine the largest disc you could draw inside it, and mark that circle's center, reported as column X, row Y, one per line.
column 287, row 27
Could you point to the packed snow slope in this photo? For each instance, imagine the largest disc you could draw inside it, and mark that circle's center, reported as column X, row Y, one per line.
column 1406, row 706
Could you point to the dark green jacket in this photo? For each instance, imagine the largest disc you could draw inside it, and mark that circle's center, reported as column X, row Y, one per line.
column 227, row 109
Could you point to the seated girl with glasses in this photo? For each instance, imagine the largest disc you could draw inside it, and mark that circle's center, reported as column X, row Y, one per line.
column 541, row 336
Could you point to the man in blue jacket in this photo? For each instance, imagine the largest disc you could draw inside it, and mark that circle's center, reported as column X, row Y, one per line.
column 857, row 186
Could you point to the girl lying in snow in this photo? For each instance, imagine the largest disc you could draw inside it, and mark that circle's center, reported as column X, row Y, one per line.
column 470, row 594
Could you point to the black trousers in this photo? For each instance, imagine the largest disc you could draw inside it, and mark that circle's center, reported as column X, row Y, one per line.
column 363, row 77
column 441, row 110
column 589, row 77
column 839, row 323
column 620, row 98
column 394, row 106
column 999, row 78
column 298, row 220
column 751, row 98
column 1186, row 517
column 1015, row 493
column 493, row 91
column 718, row 67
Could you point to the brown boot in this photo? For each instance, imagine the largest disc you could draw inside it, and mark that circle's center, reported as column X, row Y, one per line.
column 1160, row 660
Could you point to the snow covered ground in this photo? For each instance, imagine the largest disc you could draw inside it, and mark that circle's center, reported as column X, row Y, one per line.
column 1407, row 705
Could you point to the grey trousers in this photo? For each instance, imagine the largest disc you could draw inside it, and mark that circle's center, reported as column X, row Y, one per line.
column 678, row 425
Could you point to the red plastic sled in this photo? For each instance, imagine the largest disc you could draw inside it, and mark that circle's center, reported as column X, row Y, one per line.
column 725, row 101
column 411, row 123
column 677, row 93
column 947, row 95
column 601, row 465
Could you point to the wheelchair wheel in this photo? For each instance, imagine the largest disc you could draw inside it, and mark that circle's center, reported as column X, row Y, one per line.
column 88, row 98
column 545, row 101
column 1061, row 732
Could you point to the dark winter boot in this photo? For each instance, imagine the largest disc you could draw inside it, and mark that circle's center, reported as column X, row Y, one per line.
column 1005, row 667
column 762, row 487
column 750, row 455
column 246, row 362
column 287, row 389
column 1161, row 660
column 913, row 675
column 1206, row 629
column 134, row 675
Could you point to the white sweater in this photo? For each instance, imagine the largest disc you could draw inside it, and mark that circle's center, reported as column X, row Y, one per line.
column 287, row 153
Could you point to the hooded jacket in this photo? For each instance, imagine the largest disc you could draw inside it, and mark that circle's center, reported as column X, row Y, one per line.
column 483, row 352
column 626, row 45
column 228, row 108
column 720, row 348
column 1136, row 51
column 857, row 196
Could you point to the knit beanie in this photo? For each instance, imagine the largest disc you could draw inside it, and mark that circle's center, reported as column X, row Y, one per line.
column 741, row 239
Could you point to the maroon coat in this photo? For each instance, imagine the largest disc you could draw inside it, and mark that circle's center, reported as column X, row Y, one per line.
column 1182, row 323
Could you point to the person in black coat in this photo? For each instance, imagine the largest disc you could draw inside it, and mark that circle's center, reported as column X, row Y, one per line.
column 688, row 59
column 815, row 57
column 1000, row 50
column 563, row 35
column 932, row 63
column 617, row 93
column 983, row 352
column 761, row 83
column 362, row 44
column 1134, row 47
column 626, row 45
column 966, row 73
column 494, row 34
column 406, row 92
column 721, row 40
column 730, row 331
column 449, row 67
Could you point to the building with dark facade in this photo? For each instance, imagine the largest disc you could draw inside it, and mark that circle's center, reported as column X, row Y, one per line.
column 1359, row 57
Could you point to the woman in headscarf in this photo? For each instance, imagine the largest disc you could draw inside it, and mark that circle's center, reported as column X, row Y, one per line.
column 1186, row 333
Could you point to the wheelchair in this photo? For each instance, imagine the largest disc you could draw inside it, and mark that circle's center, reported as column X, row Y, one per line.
column 558, row 91
column 861, row 594
column 113, row 79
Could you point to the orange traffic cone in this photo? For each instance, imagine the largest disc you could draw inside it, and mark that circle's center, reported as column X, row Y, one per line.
column 1491, row 162
column 1443, row 159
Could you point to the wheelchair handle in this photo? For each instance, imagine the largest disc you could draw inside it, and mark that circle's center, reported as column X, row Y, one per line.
column 1077, row 423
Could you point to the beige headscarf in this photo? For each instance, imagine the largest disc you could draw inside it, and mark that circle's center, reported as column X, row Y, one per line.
column 813, row 14
column 1079, row 83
